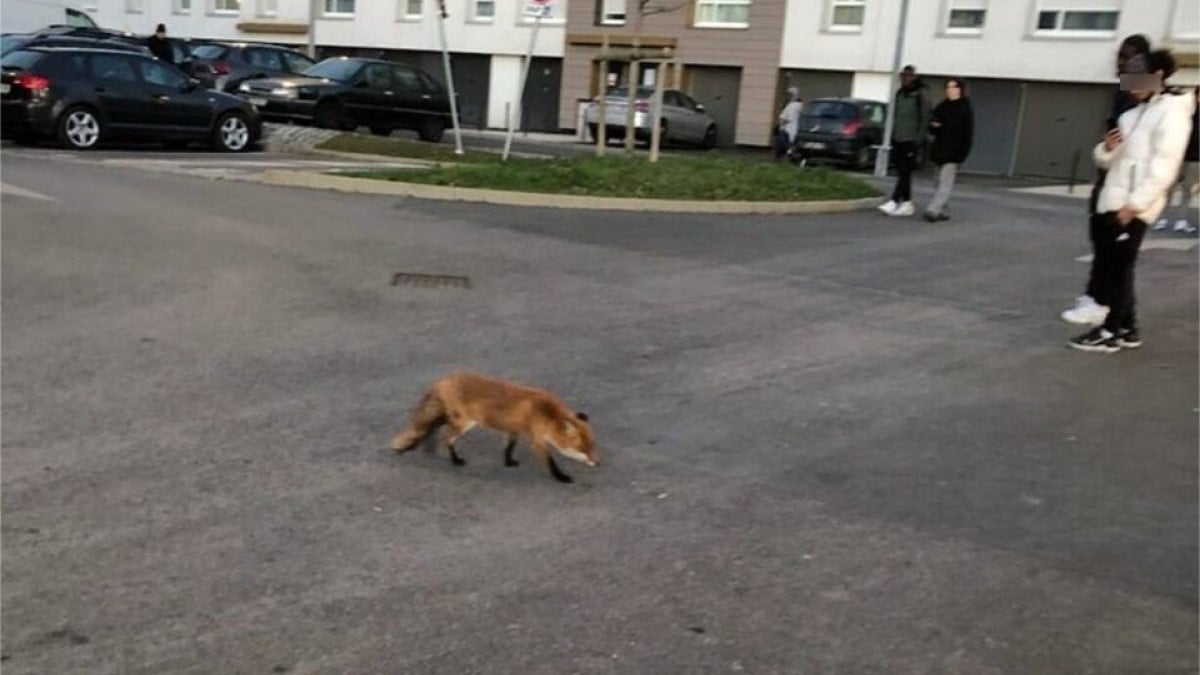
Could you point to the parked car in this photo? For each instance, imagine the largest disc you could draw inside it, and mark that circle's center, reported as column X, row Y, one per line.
column 845, row 129
column 682, row 121
column 345, row 93
column 13, row 42
column 225, row 67
column 84, row 97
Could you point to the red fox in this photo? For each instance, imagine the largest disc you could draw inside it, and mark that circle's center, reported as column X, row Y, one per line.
column 461, row 401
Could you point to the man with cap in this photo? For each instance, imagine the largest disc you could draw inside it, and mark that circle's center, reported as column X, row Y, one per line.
column 160, row 46
column 909, row 128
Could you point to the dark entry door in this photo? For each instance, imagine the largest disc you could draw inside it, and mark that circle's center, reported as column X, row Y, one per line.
column 539, row 110
column 717, row 90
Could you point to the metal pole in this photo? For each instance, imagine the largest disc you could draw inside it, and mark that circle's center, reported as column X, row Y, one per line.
column 314, row 9
column 656, row 129
column 881, row 157
column 458, row 148
column 512, row 120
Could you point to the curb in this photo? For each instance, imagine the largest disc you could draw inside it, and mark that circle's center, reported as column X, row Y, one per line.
column 321, row 181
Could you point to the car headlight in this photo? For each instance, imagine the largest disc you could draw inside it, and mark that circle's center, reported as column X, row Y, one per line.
column 284, row 92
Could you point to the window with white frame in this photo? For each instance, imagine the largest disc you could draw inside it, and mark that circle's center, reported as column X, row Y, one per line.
column 483, row 10
column 412, row 9
column 268, row 7
column 181, row 6
column 723, row 13
column 610, row 12
column 135, row 6
column 847, row 15
column 965, row 17
column 342, row 7
column 227, row 6
column 1085, row 21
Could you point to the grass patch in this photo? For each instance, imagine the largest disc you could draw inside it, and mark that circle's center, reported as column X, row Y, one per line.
column 395, row 147
column 706, row 177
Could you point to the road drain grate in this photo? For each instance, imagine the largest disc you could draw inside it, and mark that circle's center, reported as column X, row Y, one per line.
column 430, row 280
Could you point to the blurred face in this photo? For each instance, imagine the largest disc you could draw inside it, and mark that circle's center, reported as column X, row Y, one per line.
column 953, row 90
column 1142, row 87
column 907, row 78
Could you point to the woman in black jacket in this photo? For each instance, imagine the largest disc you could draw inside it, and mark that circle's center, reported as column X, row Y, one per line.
column 953, row 126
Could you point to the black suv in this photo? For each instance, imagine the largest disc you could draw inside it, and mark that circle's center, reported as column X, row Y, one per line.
column 345, row 93
column 84, row 97
column 225, row 66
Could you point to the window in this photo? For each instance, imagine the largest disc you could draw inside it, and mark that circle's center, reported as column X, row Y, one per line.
column 610, row 12
column 725, row 13
column 226, row 6
column 134, row 6
column 1077, row 21
column 264, row 58
column 377, row 76
column 406, row 78
column 847, row 15
column 967, row 19
column 339, row 6
column 181, row 6
column 297, row 63
column 268, row 7
column 156, row 73
column 113, row 68
column 483, row 10
column 412, row 9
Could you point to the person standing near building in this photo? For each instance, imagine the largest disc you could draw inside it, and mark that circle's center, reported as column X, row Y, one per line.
column 910, row 126
column 160, row 46
column 788, row 123
column 1089, row 308
column 953, row 128
column 1142, row 157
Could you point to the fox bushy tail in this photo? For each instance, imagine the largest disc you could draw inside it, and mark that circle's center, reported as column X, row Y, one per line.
column 429, row 414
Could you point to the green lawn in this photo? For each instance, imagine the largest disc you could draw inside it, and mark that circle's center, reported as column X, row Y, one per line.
column 706, row 176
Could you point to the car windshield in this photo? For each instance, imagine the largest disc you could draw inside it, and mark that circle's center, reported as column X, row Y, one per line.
column 830, row 110
column 10, row 42
column 339, row 69
column 209, row 51
column 623, row 92
column 20, row 60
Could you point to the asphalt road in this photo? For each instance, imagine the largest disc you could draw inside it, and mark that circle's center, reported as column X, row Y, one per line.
column 830, row 444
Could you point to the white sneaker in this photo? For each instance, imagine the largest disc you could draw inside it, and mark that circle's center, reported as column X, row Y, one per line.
column 1086, row 311
column 1183, row 226
column 1161, row 224
column 888, row 207
column 905, row 209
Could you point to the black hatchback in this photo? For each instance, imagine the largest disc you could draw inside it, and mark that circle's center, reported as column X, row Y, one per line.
column 346, row 93
column 846, row 129
column 84, row 97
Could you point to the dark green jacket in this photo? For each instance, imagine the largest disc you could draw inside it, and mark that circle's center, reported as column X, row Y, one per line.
column 912, row 113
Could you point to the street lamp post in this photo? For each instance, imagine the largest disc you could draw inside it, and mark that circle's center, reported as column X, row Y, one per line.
column 885, row 148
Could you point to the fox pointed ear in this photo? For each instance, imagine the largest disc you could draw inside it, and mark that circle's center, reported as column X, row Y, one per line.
column 582, row 416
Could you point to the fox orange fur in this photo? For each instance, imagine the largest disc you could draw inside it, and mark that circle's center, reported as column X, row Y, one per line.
column 461, row 401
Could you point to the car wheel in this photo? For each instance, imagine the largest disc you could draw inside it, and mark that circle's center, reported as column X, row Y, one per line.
column 231, row 133
column 432, row 130
column 79, row 128
column 381, row 131
column 710, row 137
column 328, row 115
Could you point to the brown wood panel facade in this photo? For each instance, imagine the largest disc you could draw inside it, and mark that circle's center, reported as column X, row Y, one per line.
column 755, row 50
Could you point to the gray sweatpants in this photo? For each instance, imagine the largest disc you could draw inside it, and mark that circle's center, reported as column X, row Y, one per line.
column 945, row 184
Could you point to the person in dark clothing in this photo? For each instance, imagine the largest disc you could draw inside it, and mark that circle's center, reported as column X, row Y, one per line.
column 910, row 126
column 160, row 46
column 1090, row 308
column 953, row 128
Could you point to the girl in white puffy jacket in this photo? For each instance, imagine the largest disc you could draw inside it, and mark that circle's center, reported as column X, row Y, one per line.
column 1142, row 157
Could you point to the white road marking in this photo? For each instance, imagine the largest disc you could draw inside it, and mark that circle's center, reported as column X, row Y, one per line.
column 13, row 190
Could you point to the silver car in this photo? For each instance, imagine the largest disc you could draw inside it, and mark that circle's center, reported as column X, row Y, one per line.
column 683, row 120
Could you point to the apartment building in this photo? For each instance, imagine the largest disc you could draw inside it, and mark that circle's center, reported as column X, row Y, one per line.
column 1041, row 72
column 487, row 40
